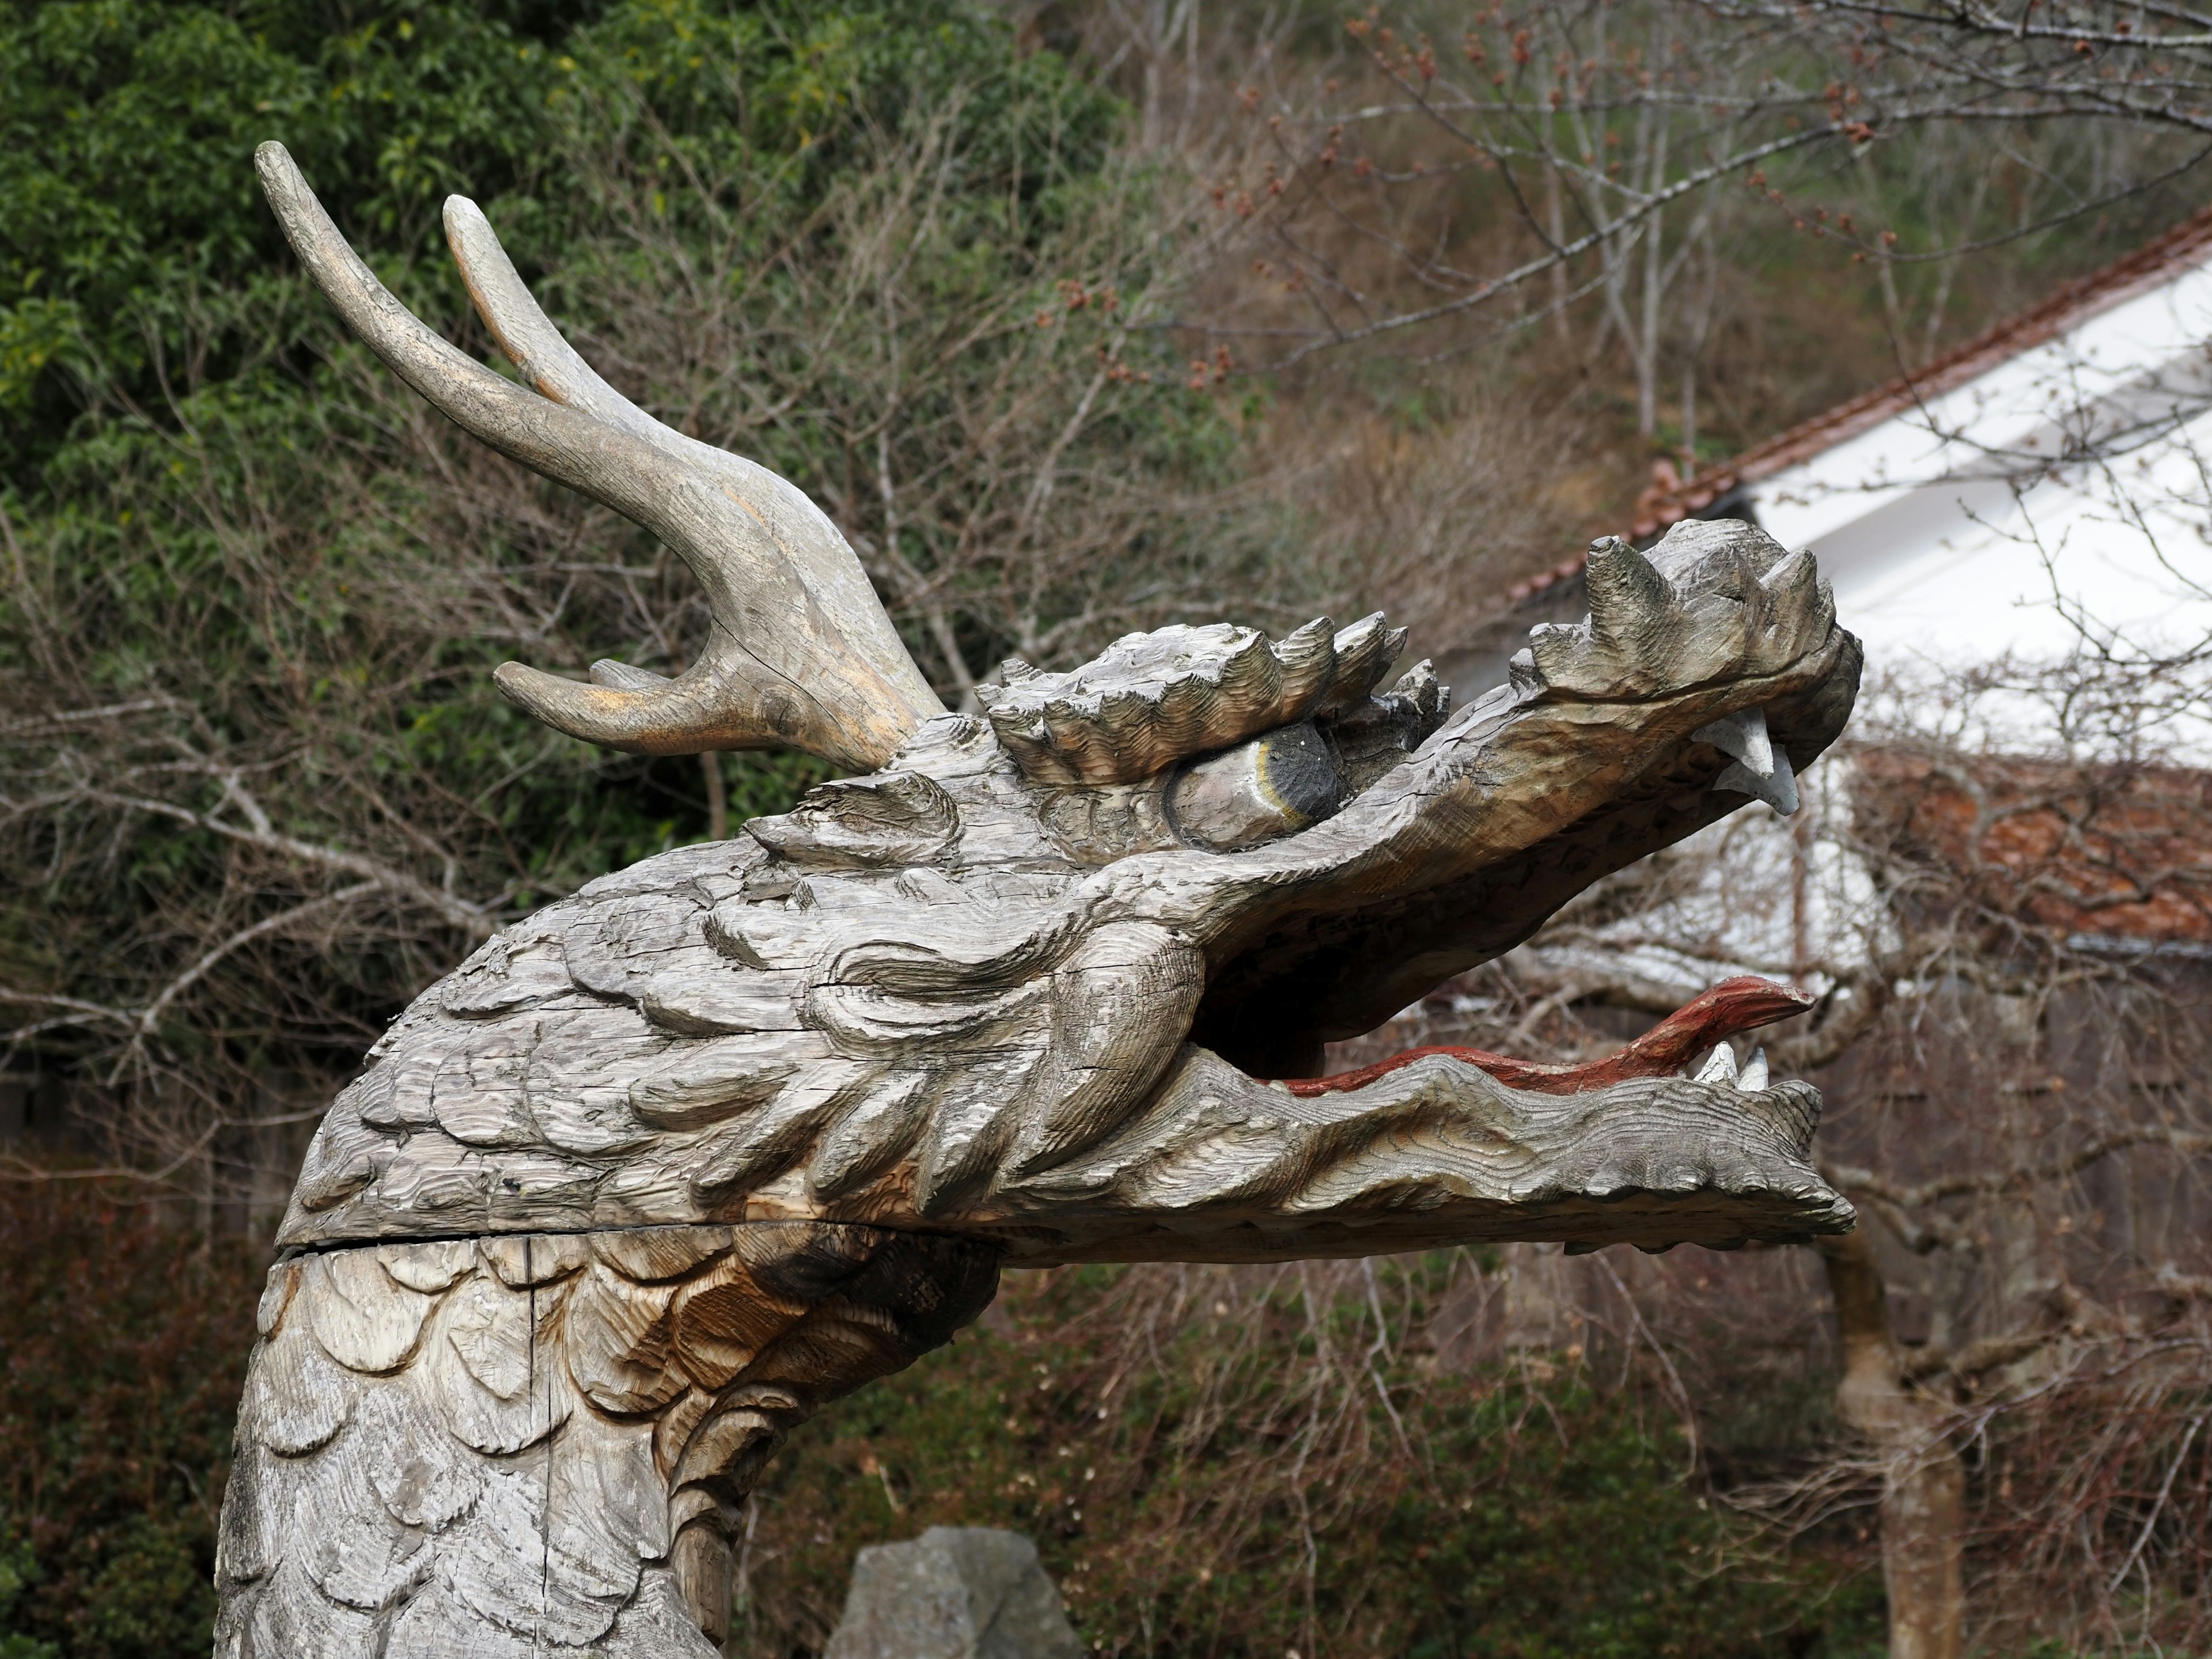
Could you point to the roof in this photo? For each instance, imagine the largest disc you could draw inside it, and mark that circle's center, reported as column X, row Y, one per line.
column 2188, row 244
column 2094, row 854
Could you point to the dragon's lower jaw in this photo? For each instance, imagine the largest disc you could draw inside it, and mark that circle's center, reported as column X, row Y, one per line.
column 538, row 1443
column 1444, row 1146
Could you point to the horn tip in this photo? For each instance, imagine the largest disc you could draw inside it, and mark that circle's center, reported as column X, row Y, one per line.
column 535, row 692
column 612, row 716
column 460, row 210
column 521, row 684
column 275, row 164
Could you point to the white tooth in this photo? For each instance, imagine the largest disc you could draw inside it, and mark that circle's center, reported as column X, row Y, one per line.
column 1754, row 1075
column 1778, row 790
column 1742, row 734
column 1720, row 1068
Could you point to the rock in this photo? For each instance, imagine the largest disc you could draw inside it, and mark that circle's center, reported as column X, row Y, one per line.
column 953, row 1593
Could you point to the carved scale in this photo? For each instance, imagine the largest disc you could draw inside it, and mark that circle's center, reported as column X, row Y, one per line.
column 662, row 1169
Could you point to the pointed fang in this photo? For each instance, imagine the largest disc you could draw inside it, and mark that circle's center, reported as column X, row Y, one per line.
column 1754, row 1074
column 1779, row 790
column 1741, row 736
column 1720, row 1068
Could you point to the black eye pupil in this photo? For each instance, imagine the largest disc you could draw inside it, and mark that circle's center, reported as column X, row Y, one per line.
column 1296, row 766
column 1271, row 786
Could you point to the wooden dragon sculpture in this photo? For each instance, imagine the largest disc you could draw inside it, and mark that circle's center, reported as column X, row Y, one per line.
column 660, row 1169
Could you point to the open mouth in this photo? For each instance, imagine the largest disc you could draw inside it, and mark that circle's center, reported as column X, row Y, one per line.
column 1731, row 1008
column 1448, row 1145
column 1709, row 675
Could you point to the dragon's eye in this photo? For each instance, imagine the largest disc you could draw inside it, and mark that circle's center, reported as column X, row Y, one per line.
column 1275, row 784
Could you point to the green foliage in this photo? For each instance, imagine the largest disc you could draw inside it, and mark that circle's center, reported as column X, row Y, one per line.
column 136, row 254
column 18, row 1571
column 224, row 517
column 125, row 202
column 124, row 1342
column 775, row 95
column 1183, row 1482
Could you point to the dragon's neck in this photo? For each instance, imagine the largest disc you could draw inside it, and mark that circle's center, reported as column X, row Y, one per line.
column 538, row 1443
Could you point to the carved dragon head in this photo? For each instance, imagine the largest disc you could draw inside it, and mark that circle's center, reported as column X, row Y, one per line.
column 1058, row 974
column 664, row 1167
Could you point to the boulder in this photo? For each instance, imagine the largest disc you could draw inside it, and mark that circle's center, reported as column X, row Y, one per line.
column 953, row 1593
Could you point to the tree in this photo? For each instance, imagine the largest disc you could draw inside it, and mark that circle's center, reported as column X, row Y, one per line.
column 1640, row 182
column 253, row 590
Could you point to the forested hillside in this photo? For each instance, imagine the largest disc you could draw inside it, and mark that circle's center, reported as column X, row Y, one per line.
column 1077, row 319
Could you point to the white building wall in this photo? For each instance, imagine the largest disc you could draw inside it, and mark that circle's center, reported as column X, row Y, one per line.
column 1972, row 530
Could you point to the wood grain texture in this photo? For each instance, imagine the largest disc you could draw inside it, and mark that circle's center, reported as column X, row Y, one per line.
column 905, row 1004
column 660, row 1170
column 1150, row 700
column 1220, row 1168
column 535, row 1445
column 801, row 654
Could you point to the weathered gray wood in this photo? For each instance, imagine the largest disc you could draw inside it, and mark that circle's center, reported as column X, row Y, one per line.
column 936, row 1000
column 550, row 1463
column 663, row 1167
column 1152, row 699
column 835, row 1020
column 801, row 654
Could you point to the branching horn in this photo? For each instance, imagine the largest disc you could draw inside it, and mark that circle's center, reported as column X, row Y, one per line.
column 801, row 654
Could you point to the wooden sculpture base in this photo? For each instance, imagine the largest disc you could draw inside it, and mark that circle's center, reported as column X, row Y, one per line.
column 537, row 1443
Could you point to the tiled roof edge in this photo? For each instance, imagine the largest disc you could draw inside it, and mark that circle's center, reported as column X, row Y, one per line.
column 2069, row 304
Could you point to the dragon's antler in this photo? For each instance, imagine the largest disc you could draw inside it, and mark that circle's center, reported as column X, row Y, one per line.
column 801, row 654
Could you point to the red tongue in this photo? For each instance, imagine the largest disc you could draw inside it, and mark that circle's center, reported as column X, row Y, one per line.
column 1743, row 1003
